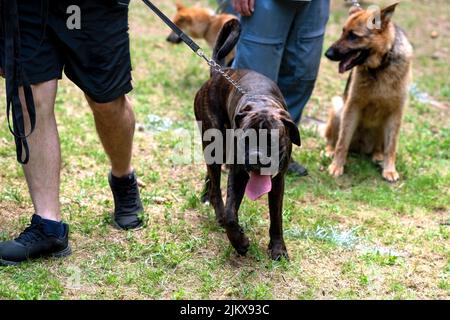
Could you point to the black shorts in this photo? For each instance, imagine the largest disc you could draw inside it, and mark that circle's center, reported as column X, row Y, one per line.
column 95, row 57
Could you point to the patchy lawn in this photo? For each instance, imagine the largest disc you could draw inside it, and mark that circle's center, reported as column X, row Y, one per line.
column 355, row 237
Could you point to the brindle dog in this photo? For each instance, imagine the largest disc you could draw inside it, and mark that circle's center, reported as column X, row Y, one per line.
column 219, row 105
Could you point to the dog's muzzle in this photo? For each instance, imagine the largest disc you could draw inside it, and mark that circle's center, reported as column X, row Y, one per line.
column 333, row 54
column 173, row 38
column 347, row 58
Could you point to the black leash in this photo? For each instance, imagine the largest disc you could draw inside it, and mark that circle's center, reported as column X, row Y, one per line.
column 15, row 78
column 186, row 39
column 194, row 46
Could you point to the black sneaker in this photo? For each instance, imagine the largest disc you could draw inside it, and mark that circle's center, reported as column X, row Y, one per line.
column 297, row 169
column 127, row 201
column 34, row 243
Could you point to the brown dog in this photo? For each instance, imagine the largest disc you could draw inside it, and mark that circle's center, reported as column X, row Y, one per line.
column 221, row 107
column 200, row 23
column 369, row 119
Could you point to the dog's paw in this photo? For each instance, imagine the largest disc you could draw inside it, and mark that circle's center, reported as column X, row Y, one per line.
column 278, row 251
column 205, row 198
column 329, row 152
column 378, row 157
column 335, row 170
column 391, row 176
column 238, row 239
column 242, row 246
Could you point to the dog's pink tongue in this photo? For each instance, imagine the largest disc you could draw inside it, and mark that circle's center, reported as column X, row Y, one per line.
column 258, row 185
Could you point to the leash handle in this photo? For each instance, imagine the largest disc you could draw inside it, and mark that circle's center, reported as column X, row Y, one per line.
column 186, row 39
column 15, row 78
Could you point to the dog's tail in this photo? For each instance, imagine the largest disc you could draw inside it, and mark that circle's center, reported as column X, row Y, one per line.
column 226, row 41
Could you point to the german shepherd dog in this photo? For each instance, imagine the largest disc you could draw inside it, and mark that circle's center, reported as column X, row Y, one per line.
column 369, row 117
column 200, row 23
column 220, row 106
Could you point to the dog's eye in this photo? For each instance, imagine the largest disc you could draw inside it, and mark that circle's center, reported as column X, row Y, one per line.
column 352, row 36
column 247, row 108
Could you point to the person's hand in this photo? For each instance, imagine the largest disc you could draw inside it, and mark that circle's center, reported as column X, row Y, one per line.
column 244, row 7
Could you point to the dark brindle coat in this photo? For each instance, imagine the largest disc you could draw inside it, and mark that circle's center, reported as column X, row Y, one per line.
column 218, row 105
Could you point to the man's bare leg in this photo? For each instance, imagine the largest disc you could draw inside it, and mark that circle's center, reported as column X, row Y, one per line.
column 115, row 123
column 43, row 170
column 47, row 235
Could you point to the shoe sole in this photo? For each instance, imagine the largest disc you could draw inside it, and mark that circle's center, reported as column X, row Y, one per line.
column 118, row 227
column 298, row 174
column 61, row 254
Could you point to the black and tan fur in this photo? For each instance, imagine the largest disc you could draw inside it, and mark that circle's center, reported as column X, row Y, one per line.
column 368, row 119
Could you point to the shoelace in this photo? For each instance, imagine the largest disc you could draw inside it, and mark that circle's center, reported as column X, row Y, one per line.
column 128, row 196
column 31, row 234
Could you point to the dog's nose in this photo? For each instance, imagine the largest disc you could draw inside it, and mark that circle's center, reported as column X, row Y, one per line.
column 256, row 160
column 173, row 38
column 169, row 38
column 331, row 53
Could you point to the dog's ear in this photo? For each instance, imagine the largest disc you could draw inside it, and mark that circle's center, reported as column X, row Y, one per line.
column 354, row 9
column 179, row 6
column 184, row 18
column 227, row 40
column 386, row 14
column 293, row 131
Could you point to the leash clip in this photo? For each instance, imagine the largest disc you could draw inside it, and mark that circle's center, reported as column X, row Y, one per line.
column 201, row 54
column 214, row 65
column 355, row 3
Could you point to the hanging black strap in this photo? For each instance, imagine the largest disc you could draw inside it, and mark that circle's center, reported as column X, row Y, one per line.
column 186, row 39
column 15, row 78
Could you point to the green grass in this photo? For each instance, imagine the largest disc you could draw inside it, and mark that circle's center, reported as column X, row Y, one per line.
column 182, row 253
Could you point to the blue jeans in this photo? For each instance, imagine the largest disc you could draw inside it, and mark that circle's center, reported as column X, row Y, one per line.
column 283, row 40
column 226, row 7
